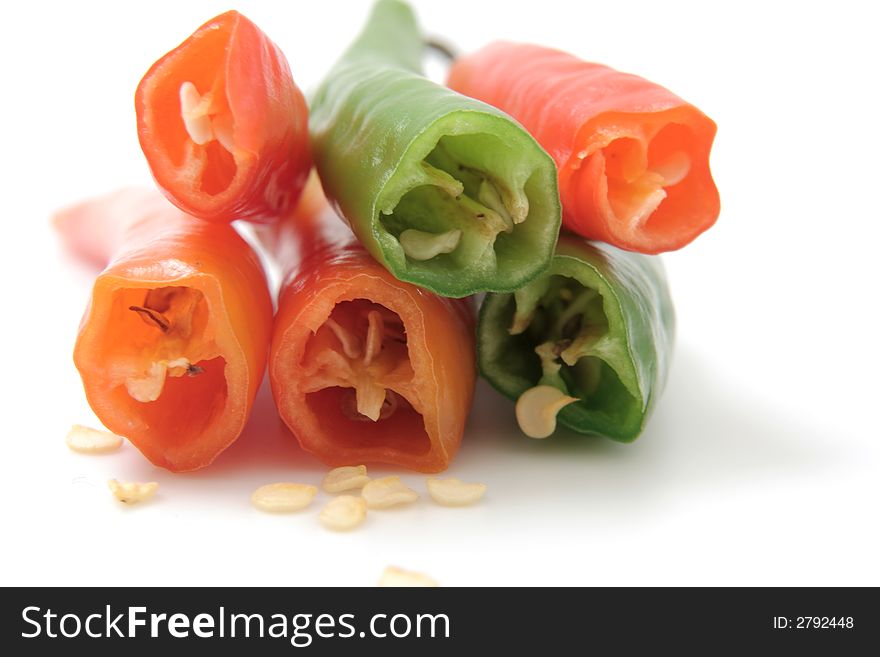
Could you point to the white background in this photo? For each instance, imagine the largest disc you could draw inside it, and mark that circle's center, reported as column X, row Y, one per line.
column 761, row 463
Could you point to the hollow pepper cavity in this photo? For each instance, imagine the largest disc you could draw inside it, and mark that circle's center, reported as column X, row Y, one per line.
column 172, row 346
column 633, row 157
column 589, row 342
column 364, row 367
column 223, row 126
column 443, row 190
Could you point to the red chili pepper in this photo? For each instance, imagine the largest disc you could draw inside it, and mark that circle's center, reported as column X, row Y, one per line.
column 223, row 126
column 172, row 346
column 633, row 157
column 364, row 367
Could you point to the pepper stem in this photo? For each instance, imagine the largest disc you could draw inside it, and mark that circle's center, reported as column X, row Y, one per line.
column 436, row 44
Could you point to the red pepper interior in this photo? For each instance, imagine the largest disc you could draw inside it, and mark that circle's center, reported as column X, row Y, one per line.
column 131, row 341
column 209, row 168
column 333, row 369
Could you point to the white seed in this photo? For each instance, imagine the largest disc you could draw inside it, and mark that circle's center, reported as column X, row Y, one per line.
column 132, row 492
column 349, row 477
column 537, row 408
column 419, row 245
column 178, row 366
column 92, row 441
column 454, row 492
column 348, row 404
column 398, row 577
column 283, row 497
column 193, row 111
column 343, row 513
column 148, row 388
column 386, row 492
column 370, row 398
column 191, row 100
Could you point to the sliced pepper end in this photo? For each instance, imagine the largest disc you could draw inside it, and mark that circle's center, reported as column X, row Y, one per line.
column 633, row 157
column 151, row 354
column 480, row 196
column 645, row 184
column 173, row 343
column 185, row 124
column 565, row 331
column 365, row 404
column 222, row 124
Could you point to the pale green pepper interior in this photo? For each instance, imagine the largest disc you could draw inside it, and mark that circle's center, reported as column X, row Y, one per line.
column 455, row 178
column 561, row 331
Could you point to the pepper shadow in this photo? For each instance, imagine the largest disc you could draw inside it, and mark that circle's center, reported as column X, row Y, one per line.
column 705, row 435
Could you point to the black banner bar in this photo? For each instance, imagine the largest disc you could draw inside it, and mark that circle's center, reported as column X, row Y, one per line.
column 434, row 621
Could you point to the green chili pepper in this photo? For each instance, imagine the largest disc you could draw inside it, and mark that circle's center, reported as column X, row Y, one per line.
column 598, row 326
column 445, row 191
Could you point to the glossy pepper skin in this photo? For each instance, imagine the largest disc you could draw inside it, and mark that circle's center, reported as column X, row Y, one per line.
column 223, row 126
column 172, row 346
column 351, row 342
column 607, row 324
column 633, row 157
column 413, row 166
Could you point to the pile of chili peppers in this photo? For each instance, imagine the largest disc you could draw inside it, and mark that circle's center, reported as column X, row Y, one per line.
column 445, row 192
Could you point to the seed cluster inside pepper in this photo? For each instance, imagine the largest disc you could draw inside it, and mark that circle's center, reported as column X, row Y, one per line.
column 455, row 206
column 165, row 336
column 209, row 124
column 640, row 168
column 564, row 323
column 358, row 362
column 460, row 204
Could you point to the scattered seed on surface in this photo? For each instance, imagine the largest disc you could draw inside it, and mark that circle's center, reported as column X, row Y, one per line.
column 92, row 441
column 394, row 576
column 343, row 513
column 132, row 492
column 348, row 477
column 454, row 492
column 386, row 492
column 283, row 497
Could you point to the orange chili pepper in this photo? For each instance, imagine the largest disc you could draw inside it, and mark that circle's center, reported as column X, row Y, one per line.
column 172, row 346
column 223, row 126
column 364, row 367
column 633, row 157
